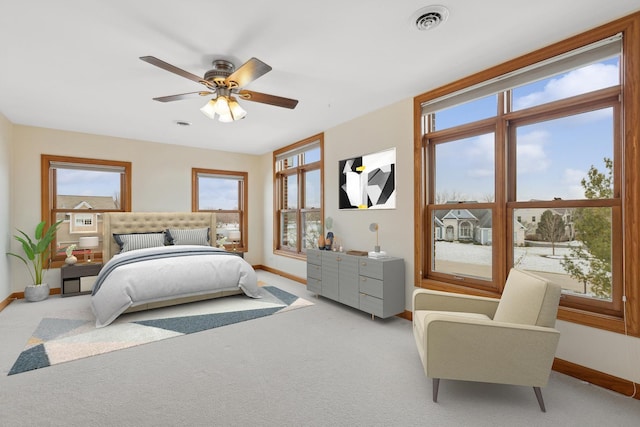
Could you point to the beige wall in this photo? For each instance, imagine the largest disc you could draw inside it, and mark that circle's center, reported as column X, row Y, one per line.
column 6, row 129
column 390, row 127
column 161, row 178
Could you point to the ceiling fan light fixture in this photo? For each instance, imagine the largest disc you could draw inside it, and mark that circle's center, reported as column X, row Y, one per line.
column 225, row 118
column 209, row 109
column 236, row 110
column 221, row 105
column 226, row 107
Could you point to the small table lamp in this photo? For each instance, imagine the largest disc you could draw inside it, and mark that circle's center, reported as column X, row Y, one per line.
column 374, row 227
column 234, row 236
column 88, row 243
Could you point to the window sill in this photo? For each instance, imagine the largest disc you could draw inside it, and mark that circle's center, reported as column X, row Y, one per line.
column 288, row 254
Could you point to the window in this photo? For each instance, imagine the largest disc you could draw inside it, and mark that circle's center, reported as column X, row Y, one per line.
column 298, row 220
column 226, row 194
column 78, row 191
column 544, row 142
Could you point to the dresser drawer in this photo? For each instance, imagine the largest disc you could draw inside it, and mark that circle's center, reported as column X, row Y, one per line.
column 371, row 305
column 314, row 285
column 371, row 268
column 80, row 270
column 314, row 270
column 314, row 257
column 371, row 286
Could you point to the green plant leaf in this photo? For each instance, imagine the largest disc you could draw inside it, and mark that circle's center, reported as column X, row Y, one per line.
column 36, row 252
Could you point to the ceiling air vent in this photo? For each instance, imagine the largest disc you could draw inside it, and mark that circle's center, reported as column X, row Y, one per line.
column 429, row 17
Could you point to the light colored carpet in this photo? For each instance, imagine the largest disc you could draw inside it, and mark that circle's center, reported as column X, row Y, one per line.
column 325, row 365
column 72, row 335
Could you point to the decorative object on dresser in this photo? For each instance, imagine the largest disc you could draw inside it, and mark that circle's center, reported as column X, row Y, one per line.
column 328, row 241
column 78, row 279
column 356, row 252
column 375, row 286
column 36, row 251
column 374, row 227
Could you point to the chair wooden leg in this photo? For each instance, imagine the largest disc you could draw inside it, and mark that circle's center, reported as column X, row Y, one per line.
column 538, row 393
column 436, row 383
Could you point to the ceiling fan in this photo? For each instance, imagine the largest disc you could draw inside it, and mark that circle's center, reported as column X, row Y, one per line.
column 224, row 81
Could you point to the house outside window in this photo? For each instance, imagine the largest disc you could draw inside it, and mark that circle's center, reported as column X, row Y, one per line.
column 298, row 218
column 77, row 191
column 544, row 142
column 226, row 194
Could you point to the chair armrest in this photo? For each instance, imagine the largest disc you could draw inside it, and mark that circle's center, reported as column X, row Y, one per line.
column 488, row 351
column 426, row 299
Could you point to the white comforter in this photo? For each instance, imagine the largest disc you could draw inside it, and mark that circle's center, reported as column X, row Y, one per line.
column 157, row 274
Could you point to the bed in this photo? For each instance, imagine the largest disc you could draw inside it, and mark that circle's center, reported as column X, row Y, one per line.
column 157, row 259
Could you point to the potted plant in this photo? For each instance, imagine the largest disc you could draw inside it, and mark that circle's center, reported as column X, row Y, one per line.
column 36, row 255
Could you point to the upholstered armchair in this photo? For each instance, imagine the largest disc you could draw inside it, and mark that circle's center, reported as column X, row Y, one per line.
column 507, row 341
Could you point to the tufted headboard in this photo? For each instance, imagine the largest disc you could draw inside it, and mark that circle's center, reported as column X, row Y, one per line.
column 143, row 222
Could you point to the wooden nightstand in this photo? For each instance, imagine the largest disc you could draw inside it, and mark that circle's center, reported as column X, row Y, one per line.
column 78, row 279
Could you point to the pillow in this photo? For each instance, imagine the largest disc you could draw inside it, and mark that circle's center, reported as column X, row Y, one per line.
column 192, row 236
column 129, row 242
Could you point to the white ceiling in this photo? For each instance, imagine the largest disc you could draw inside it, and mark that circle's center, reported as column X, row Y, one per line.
column 73, row 64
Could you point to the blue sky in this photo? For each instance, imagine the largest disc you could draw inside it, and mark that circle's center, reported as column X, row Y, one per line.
column 552, row 157
column 218, row 193
column 72, row 182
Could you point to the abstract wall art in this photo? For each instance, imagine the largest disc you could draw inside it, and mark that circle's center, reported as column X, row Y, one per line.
column 369, row 181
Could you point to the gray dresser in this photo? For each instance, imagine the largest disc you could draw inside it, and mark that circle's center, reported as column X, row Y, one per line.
column 375, row 286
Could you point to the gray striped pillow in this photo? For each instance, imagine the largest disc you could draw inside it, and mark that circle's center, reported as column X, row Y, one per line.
column 129, row 242
column 193, row 236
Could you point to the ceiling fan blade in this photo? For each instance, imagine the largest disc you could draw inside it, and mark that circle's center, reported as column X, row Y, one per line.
column 248, row 72
column 181, row 96
column 171, row 68
column 278, row 101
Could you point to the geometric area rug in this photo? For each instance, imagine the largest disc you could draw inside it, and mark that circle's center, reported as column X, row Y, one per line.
column 74, row 336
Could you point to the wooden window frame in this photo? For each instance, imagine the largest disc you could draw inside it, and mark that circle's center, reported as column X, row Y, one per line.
column 243, row 202
column 48, row 193
column 299, row 171
column 629, row 157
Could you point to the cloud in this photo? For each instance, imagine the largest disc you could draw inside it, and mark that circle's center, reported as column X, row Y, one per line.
column 572, row 179
column 531, row 156
column 582, row 80
column 481, row 153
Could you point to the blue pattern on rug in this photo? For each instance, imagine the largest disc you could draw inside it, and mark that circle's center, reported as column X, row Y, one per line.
column 30, row 359
column 58, row 340
column 191, row 324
